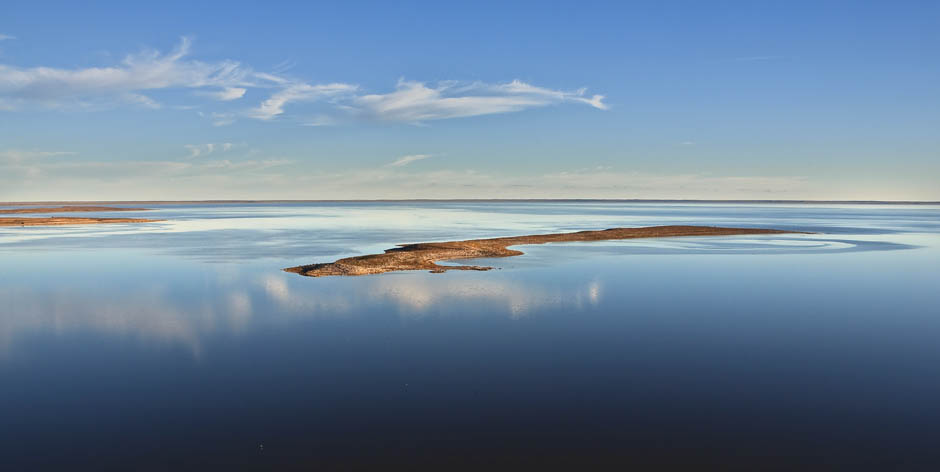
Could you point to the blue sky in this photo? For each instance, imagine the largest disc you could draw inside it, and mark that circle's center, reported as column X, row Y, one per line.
column 775, row 100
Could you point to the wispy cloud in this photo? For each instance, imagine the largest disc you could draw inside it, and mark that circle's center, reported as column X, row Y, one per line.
column 247, row 165
column 283, row 66
column 133, row 79
column 297, row 92
column 92, row 176
column 405, row 160
column 4, row 37
column 227, row 94
column 198, row 150
column 416, row 102
column 14, row 156
column 286, row 178
column 136, row 74
column 142, row 100
column 321, row 120
column 222, row 119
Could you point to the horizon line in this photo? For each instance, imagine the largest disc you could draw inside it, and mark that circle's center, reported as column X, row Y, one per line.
column 403, row 200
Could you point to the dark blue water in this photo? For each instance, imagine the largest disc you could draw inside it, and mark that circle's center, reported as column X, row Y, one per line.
column 181, row 345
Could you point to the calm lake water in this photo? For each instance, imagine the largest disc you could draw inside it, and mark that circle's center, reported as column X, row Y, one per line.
column 181, row 345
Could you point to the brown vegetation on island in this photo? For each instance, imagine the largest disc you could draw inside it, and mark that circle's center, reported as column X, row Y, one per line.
column 422, row 256
column 66, row 220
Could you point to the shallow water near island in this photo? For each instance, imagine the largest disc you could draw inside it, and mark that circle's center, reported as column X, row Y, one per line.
column 182, row 345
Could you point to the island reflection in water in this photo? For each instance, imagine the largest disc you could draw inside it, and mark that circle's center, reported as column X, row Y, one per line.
column 168, row 347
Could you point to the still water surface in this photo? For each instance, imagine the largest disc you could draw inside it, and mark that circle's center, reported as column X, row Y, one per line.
column 182, row 345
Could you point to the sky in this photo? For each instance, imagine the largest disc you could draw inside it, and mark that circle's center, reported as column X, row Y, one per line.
column 394, row 100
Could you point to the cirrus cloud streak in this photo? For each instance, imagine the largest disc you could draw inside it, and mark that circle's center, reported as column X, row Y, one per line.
column 139, row 75
column 126, row 82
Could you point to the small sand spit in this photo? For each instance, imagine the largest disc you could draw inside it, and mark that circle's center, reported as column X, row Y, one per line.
column 422, row 256
column 66, row 220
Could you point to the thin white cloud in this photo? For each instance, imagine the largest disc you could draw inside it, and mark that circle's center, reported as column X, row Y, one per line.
column 271, row 78
column 321, row 120
column 405, row 160
column 199, row 150
column 15, row 176
column 518, row 87
column 4, row 37
column 227, row 94
column 297, row 92
column 284, row 66
column 138, row 77
column 416, row 102
column 148, row 70
column 222, row 119
column 33, row 176
column 142, row 100
column 249, row 165
column 15, row 156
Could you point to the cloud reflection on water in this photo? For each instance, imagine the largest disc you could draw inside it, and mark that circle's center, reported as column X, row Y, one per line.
column 235, row 305
column 420, row 295
column 149, row 283
column 151, row 316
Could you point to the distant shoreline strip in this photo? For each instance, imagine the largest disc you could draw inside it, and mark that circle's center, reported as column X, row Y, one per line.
column 465, row 200
column 66, row 220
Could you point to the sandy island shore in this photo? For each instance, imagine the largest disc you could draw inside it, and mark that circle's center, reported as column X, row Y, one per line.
column 67, row 220
column 422, row 256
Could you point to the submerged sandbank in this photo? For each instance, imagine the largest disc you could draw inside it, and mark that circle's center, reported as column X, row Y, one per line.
column 422, row 256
